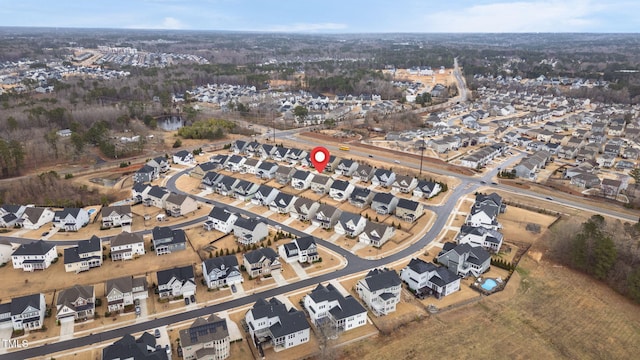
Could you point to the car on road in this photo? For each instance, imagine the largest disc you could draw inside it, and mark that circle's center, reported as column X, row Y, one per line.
column 494, row 183
column 233, row 288
column 370, row 155
column 186, row 301
column 549, row 198
column 156, row 333
column 482, row 182
column 193, row 298
column 396, row 161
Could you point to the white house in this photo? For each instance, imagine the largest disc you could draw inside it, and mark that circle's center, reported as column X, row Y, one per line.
column 343, row 312
column 340, row 190
column 273, row 323
column 27, row 312
column 350, row 224
column 220, row 219
column 126, row 246
column 113, row 216
column 183, row 157
column 221, row 271
column 176, row 282
column 464, row 259
column 303, row 250
column 71, row 219
column 35, row 217
column 207, row 338
column 489, row 239
column 250, row 230
column 425, row 278
column 85, row 255
column 380, row 290
column 376, row 234
column 36, row 255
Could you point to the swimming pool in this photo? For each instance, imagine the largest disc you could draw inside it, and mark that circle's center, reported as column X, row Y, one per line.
column 91, row 211
column 489, row 284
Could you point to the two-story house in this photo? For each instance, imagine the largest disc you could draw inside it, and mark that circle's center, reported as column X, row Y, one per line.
column 283, row 203
column 320, row 184
column 350, row 224
column 176, row 282
column 266, row 170
column 489, row 239
column 250, row 230
column 384, row 203
column 180, row 205
column 464, row 259
column 119, row 215
column 76, row 303
column 220, row 219
column 343, row 312
column 261, row 261
column 124, row 291
column 271, row 322
column 245, row 190
column 346, row 167
column 264, row 195
column 35, row 217
column 380, row 290
column 409, row 210
column 304, row 209
column 206, row 338
column 85, row 255
column 404, row 184
column 364, row 173
column 361, row 197
column 166, row 241
column 301, row 180
column 221, row 271
column 36, row 255
column 424, row 278
column 27, row 312
column 303, row 250
column 383, row 178
column 183, row 157
column 427, row 189
column 376, row 234
column 145, row 174
column 326, row 216
column 340, row 190
column 126, row 246
column 71, row 219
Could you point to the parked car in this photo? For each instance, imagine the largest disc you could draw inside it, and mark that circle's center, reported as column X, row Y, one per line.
column 138, row 310
column 156, row 333
column 233, row 288
column 193, row 298
column 186, row 301
column 45, row 233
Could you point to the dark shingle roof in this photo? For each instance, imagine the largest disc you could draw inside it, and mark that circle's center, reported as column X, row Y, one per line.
column 378, row 279
column 37, row 247
column 183, row 274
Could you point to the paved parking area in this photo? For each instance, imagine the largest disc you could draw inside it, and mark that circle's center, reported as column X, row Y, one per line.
column 66, row 328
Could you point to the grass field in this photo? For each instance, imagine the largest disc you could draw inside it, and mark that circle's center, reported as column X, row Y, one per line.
column 546, row 312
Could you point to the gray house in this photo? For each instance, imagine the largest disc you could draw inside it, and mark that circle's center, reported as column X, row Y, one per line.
column 264, row 195
column 464, row 259
column 326, row 216
column 320, row 184
column 384, row 203
column 346, row 167
column 361, row 197
column 250, row 230
column 165, row 240
column 382, row 177
column 266, row 170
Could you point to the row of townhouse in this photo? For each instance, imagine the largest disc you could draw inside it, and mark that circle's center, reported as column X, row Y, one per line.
column 173, row 204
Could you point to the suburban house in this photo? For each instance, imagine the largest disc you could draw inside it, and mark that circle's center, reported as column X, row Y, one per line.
column 211, row 179
column 376, row 234
column 266, row 151
column 76, row 303
column 239, row 146
column 183, row 157
column 270, row 322
column 489, row 239
column 234, row 163
column 361, row 197
column 340, row 190
column 35, row 217
column 122, row 292
column 26, row 312
column 265, row 195
column 160, row 163
column 85, row 255
column 485, row 210
column 404, row 184
column 176, row 282
column 249, row 166
column 424, row 278
column 206, row 339
column 145, row 347
column 350, row 224
column 383, row 178
column 280, row 153
column 220, row 219
column 227, row 185
column 126, row 246
column 113, row 216
column 36, row 255
column 296, row 156
column 245, row 190
column 304, row 209
column 384, row 203
column 253, row 148
column 250, row 230
column 284, row 174
column 612, row 187
column 320, row 184
column 261, row 261
column 326, row 303
column 427, row 189
column 333, row 163
column 221, row 271
column 10, row 214
column 380, row 290
column 266, row 170
column 145, row 174
column 301, row 180
column 409, row 210
column 216, row 162
column 167, row 241
column 346, row 167
column 71, row 219
column 180, row 205
column 6, row 249
column 364, row 173
column 303, row 250
column 201, row 169
column 464, row 259
column 283, row 203
column 155, row 197
column 326, row 216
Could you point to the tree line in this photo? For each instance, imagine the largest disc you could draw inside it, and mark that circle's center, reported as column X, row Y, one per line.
column 607, row 251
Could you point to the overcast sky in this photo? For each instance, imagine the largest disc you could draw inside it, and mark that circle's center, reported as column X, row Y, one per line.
column 330, row 16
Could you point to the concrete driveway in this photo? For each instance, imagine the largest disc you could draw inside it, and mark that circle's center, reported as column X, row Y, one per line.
column 66, row 328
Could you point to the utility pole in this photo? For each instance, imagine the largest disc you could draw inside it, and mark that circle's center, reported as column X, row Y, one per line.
column 273, row 124
column 421, row 156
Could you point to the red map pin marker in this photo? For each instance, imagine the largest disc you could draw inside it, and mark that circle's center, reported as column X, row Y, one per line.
column 319, row 158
